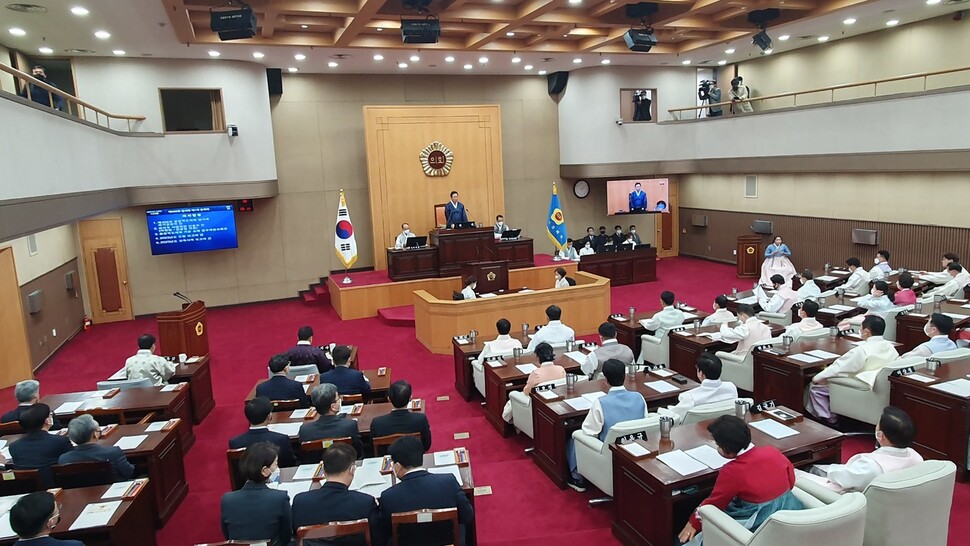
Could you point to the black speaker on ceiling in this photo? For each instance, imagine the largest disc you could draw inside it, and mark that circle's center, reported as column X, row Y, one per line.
column 274, row 80
column 557, row 82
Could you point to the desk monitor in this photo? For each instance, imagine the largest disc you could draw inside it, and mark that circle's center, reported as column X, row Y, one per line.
column 625, row 247
column 416, row 242
column 511, row 234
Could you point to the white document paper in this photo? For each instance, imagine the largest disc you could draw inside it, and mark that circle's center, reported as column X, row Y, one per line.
column 716, row 336
column 193, row 359
column 299, row 414
column 99, row 394
column 118, row 375
column 957, row 317
column 450, row 469
column 486, row 295
column 305, row 472
column 374, row 484
column 96, row 514
column 855, row 299
column 170, row 388
column 294, row 488
column 594, row 395
column 959, row 387
column 824, row 355
column 68, row 407
column 681, row 462
column 547, row 395
column 117, row 490
column 635, row 449
column 526, row 368
column 825, row 278
column 709, row 456
column 840, row 272
column 496, row 363
column 579, row 403
column 806, row 358
column 661, row 386
column 5, row 529
column 749, row 300
column 965, row 306
column 829, row 310
column 301, row 378
column 921, row 378
column 578, row 356
column 461, row 341
column 774, row 429
column 663, row 372
column 290, row 429
column 130, row 442
column 306, row 387
column 844, row 307
column 442, row 458
column 156, row 426
column 684, row 333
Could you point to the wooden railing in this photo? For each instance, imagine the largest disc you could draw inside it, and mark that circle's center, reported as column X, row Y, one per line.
column 675, row 113
column 74, row 106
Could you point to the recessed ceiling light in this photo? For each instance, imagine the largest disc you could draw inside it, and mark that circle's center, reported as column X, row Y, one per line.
column 483, row 60
column 721, row 63
column 685, row 62
column 304, row 26
column 119, row 52
column 527, row 67
column 79, row 11
column 784, row 38
column 729, row 51
column 932, row 2
column 768, row 51
column 292, row 69
column 449, row 59
column 575, row 2
column 510, row 34
column 402, row 65
column 258, row 55
column 45, row 50
column 102, row 34
column 467, row 67
column 415, row 58
column 516, row 60
column 214, row 53
column 823, row 38
column 892, row 22
column 299, row 56
column 18, row 31
column 378, row 57
column 849, row 21
column 333, row 64
column 605, row 61
column 542, row 72
column 577, row 60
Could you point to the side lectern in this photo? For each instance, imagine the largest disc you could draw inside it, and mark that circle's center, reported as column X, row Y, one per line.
column 492, row 276
column 751, row 252
column 183, row 331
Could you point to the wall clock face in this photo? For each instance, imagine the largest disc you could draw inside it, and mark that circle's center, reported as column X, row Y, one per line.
column 581, row 189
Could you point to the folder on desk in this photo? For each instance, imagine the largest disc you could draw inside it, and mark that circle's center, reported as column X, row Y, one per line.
column 681, row 463
column 525, row 368
column 579, row 403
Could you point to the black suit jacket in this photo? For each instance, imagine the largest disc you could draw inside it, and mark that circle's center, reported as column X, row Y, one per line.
column 263, row 434
column 280, row 387
column 334, row 502
column 121, row 469
column 347, row 380
column 332, row 426
column 257, row 512
column 48, row 541
column 39, row 450
column 402, row 421
column 618, row 239
column 421, row 489
column 14, row 415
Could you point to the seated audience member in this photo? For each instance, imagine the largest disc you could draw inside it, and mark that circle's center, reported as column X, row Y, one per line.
column 858, row 281
column 84, row 431
column 809, row 288
column 631, row 240
column 618, row 405
column 257, row 512
column 904, row 290
column 881, row 269
column 953, row 288
column 402, row 240
column 503, row 344
column 468, row 292
column 418, row 489
column 862, row 362
column 27, row 393
column 721, row 312
column 895, row 433
column 609, row 348
column 938, row 329
column 878, row 302
column 326, row 400
column 632, row 234
column 145, row 364
column 589, row 238
column 34, row 516
column 554, row 332
column 711, row 389
column 305, row 353
column 755, row 484
column 781, row 301
column 568, row 251
column 748, row 333
column 258, row 412
column 548, row 370
column 667, row 318
column 36, row 449
column 586, row 249
column 808, row 323
column 941, row 277
column 334, row 501
column 500, row 226
column 401, row 420
column 281, row 387
column 347, row 379
column 561, row 278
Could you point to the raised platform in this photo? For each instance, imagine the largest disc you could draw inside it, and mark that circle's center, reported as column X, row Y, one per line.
column 397, row 316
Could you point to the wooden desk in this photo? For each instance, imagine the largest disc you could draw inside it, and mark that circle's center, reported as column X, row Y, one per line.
column 909, row 327
column 500, row 381
column 379, row 385
column 628, row 333
column 733, row 300
column 131, row 523
column 629, row 267
column 646, row 486
column 412, row 263
column 777, row 376
column 518, row 252
column 364, row 420
column 464, row 354
column 942, row 419
column 686, row 346
column 838, row 279
column 458, row 246
column 553, row 422
column 199, row 377
column 136, row 403
column 833, row 319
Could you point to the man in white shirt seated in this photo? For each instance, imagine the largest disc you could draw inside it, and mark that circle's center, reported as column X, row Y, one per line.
column 748, row 333
column 858, row 281
column 894, row 436
column 554, row 332
column 941, row 277
column 781, row 301
column 145, row 364
column 953, row 288
column 721, row 313
column 609, row 348
column 667, row 318
column 862, row 362
column 809, row 288
column 807, row 323
column 568, row 251
column 468, row 292
column 402, row 239
column 938, row 329
column 711, row 390
column 503, row 344
column 881, row 269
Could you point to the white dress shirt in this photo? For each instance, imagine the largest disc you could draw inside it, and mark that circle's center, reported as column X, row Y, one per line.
column 942, row 277
column 468, row 293
column 936, row 344
column 146, row 365
column 562, row 283
column 808, row 290
column 502, row 345
column 552, row 333
column 780, row 302
column 879, row 271
column 807, row 324
column 720, row 316
column 953, row 287
column 586, row 251
column 568, row 253
column 664, row 320
column 877, row 305
column 863, row 361
column 611, row 348
column 747, row 334
column 709, row 392
column 859, row 471
column 402, row 240
column 858, row 282
column 593, row 424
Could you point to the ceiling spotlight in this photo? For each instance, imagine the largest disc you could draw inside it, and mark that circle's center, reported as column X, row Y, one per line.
column 119, row 52
column 510, row 34
column 762, row 40
column 892, row 22
column 449, row 59
column 542, row 72
column 685, row 62
column 299, row 56
column 527, row 67
column 849, row 21
column 577, row 60
column 333, row 64
column 605, row 61
column 214, row 53
column 823, row 38
column 292, row 69
column 760, row 18
column 402, row 65
column 483, row 60
column 932, row 2
column 721, row 63
column 18, row 31
column 79, row 11
column 304, row 26
column 378, row 57
column 258, row 55
column 729, row 51
column 415, row 58
column 784, row 37
column 467, row 67
column 102, row 34
column 516, row 60
column 45, row 50
column 768, row 51
column 575, row 2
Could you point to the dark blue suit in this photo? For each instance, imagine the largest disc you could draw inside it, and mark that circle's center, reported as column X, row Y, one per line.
column 14, row 415
column 332, row 426
column 402, row 421
column 638, row 201
column 39, row 450
column 280, row 387
column 257, row 512
column 421, row 489
column 347, row 380
column 48, row 541
column 304, row 355
column 121, row 469
column 455, row 214
column 334, row 502
column 263, row 434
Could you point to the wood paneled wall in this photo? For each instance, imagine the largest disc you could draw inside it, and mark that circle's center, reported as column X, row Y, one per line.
column 61, row 315
column 815, row 241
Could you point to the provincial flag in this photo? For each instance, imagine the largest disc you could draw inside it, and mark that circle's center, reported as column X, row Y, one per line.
column 556, row 222
column 344, row 241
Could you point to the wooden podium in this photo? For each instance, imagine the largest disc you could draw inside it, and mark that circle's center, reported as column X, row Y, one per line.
column 183, row 331
column 460, row 246
column 492, row 276
column 751, row 252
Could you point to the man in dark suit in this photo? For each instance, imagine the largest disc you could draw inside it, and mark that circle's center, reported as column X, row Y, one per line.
column 455, row 211
column 334, row 501
column 27, row 393
column 258, row 412
column 84, row 431
column 305, row 353
column 37, row 449
column 281, row 387
column 33, row 517
column 603, row 241
column 419, row 489
column 618, row 237
column 326, row 400
column 401, row 420
column 589, row 238
column 347, row 379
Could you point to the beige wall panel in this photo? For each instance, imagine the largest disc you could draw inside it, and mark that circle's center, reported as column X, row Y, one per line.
column 259, row 258
column 214, row 297
column 207, row 271
column 382, row 89
column 55, row 247
column 341, row 137
column 464, row 90
column 424, row 89
column 539, row 143
column 14, row 351
column 305, row 228
column 299, row 151
column 513, row 139
column 321, row 88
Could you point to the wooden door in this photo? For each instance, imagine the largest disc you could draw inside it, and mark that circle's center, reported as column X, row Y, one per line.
column 667, row 224
column 15, row 349
column 106, row 269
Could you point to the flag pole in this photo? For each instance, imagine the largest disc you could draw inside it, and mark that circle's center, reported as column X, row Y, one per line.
column 346, row 269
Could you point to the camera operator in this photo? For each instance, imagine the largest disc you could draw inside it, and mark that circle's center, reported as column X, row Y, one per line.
column 740, row 92
column 710, row 92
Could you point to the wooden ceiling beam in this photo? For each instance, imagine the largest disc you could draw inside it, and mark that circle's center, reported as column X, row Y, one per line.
column 548, row 34
column 366, row 10
column 270, row 17
column 178, row 16
column 591, row 44
column 525, row 13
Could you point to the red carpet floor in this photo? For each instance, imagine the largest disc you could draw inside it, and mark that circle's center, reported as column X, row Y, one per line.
column 525, row 507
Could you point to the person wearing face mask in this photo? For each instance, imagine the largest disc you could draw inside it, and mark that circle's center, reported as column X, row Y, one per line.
column 561, row 278
column 590, row 238
column 880, row 269
column 587, row 249
column 603, row 241
column 500, row 227
column 959, row 278
column 710, row 391
column 777, row 262
column 943, row 276
column 618, row 237
column 257, row 512
column 402, row 239
column 568, row 252
column 808, row 323
column 858, row 281
column 721, row 312
column 904, row 290
column 938, row 329
column 36, row 449
column 34, row 516
column 85, row 433
column 879, row 302
column 809, row 288
column 633, row 233
column 326, row 400
column 40, row 95
column 781, row 301
column 468, row 292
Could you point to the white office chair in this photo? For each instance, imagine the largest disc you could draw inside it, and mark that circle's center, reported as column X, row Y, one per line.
column 853, row 398
column 740, row 370
column 891, row 315
column 478, row 371
column 125, row 384
column 781, row 319
column 656, row 349
column 522, row 407
column 842, row 522
column 953, row 354
column 711, row 411
column 905, row 507
column 814, row 334
column 298, row 370
column 594, row 459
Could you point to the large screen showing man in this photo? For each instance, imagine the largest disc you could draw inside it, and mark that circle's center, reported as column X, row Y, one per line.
column 638, row 199
column 455, row 211
column 637, row 196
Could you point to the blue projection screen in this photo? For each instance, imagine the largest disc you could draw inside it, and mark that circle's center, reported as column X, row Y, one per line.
column 191, row 229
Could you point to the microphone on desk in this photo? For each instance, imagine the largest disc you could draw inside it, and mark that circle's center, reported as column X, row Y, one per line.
column 182, row 297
